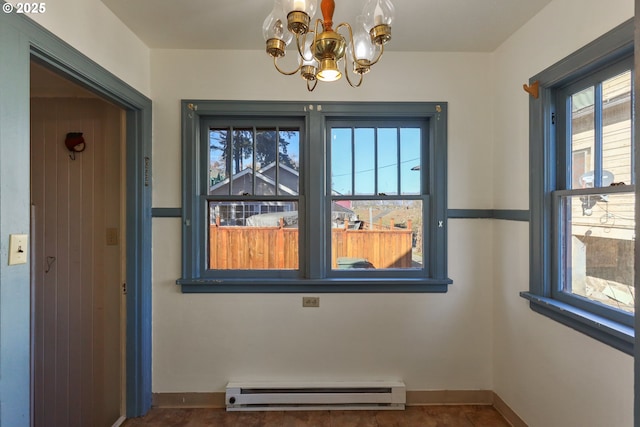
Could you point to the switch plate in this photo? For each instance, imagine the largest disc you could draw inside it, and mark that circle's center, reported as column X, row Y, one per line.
column 112, row 237
column 311, row 301
column 18, row 249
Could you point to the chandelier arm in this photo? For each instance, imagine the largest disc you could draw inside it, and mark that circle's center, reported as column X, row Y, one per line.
column 315, row 30
column 353, row 50
column 346, row 73
column 348, row 27
column 301, row 47
column 286, row 73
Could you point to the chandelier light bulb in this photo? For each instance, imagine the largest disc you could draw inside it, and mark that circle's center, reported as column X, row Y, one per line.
column 378, row 17
column 275, row 24
column 363, row 48
column 306, row 6
column 275, row 32
column 329, row 71
column 378, row 12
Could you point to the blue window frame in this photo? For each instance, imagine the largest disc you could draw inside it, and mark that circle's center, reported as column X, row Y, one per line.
column 332, row 197
column 582, row 191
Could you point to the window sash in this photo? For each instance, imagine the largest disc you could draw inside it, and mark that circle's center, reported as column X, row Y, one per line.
column 354, row 124
column 255, row 123
column 564, row 180
column 559, row 254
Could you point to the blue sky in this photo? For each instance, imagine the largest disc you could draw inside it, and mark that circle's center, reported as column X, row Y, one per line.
column 394, row 152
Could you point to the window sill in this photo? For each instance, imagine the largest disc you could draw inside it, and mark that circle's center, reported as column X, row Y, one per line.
column 319, row 285
column 612, row 333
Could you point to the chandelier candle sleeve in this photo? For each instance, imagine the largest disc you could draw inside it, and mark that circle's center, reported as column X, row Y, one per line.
column 323, row 50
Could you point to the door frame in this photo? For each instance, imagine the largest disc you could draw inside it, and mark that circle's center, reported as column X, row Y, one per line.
column 40, row 45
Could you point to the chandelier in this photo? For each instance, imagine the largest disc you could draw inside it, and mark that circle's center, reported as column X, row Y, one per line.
column 322, row 49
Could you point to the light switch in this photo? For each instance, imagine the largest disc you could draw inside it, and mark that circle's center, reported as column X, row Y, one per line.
column 18, row 249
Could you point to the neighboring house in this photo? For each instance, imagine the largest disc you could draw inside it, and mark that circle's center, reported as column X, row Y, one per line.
column 603, row 225
column 236, row 213
column 242, row 182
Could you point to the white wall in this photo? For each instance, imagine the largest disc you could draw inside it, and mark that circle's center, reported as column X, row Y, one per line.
column 432, row 341
column 90, row 27
column 548, row 373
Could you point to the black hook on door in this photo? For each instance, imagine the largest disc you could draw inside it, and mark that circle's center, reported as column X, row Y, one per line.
column 50, row 261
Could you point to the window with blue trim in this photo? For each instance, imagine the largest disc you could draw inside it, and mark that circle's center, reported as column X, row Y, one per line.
column 332, row 197
column 583, row 193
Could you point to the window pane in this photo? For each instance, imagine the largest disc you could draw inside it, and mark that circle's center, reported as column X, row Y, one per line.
column 289, row 158
column 410, row 165
column 256, row 235
column 269, row 144
column 376, row 234
column 616, row 135
column 599, row 248
column 365, row 162
column 341, row 164
column 582, row 138
column 388, row 161
column 242, row 161
column 218, row 173
column 265, row 176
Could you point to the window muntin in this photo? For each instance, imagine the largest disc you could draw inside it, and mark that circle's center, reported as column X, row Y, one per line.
column 595, row 210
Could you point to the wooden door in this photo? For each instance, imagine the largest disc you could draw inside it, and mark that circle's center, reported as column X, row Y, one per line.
column 76, row 257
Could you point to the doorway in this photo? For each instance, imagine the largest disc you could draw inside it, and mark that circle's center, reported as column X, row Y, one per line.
column 78, row 219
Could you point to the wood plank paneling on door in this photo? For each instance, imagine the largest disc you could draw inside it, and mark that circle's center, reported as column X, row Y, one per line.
column 77, row 302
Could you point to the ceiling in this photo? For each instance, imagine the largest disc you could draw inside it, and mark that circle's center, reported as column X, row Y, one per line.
column 419, row 26
column 46, row 84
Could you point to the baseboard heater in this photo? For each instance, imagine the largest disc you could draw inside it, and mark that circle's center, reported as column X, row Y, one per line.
column 378, row 395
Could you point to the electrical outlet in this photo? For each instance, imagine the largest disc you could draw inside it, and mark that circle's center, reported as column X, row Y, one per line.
column 311, row 301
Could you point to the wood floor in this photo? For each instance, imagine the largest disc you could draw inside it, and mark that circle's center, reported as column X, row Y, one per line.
column 412, row 416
